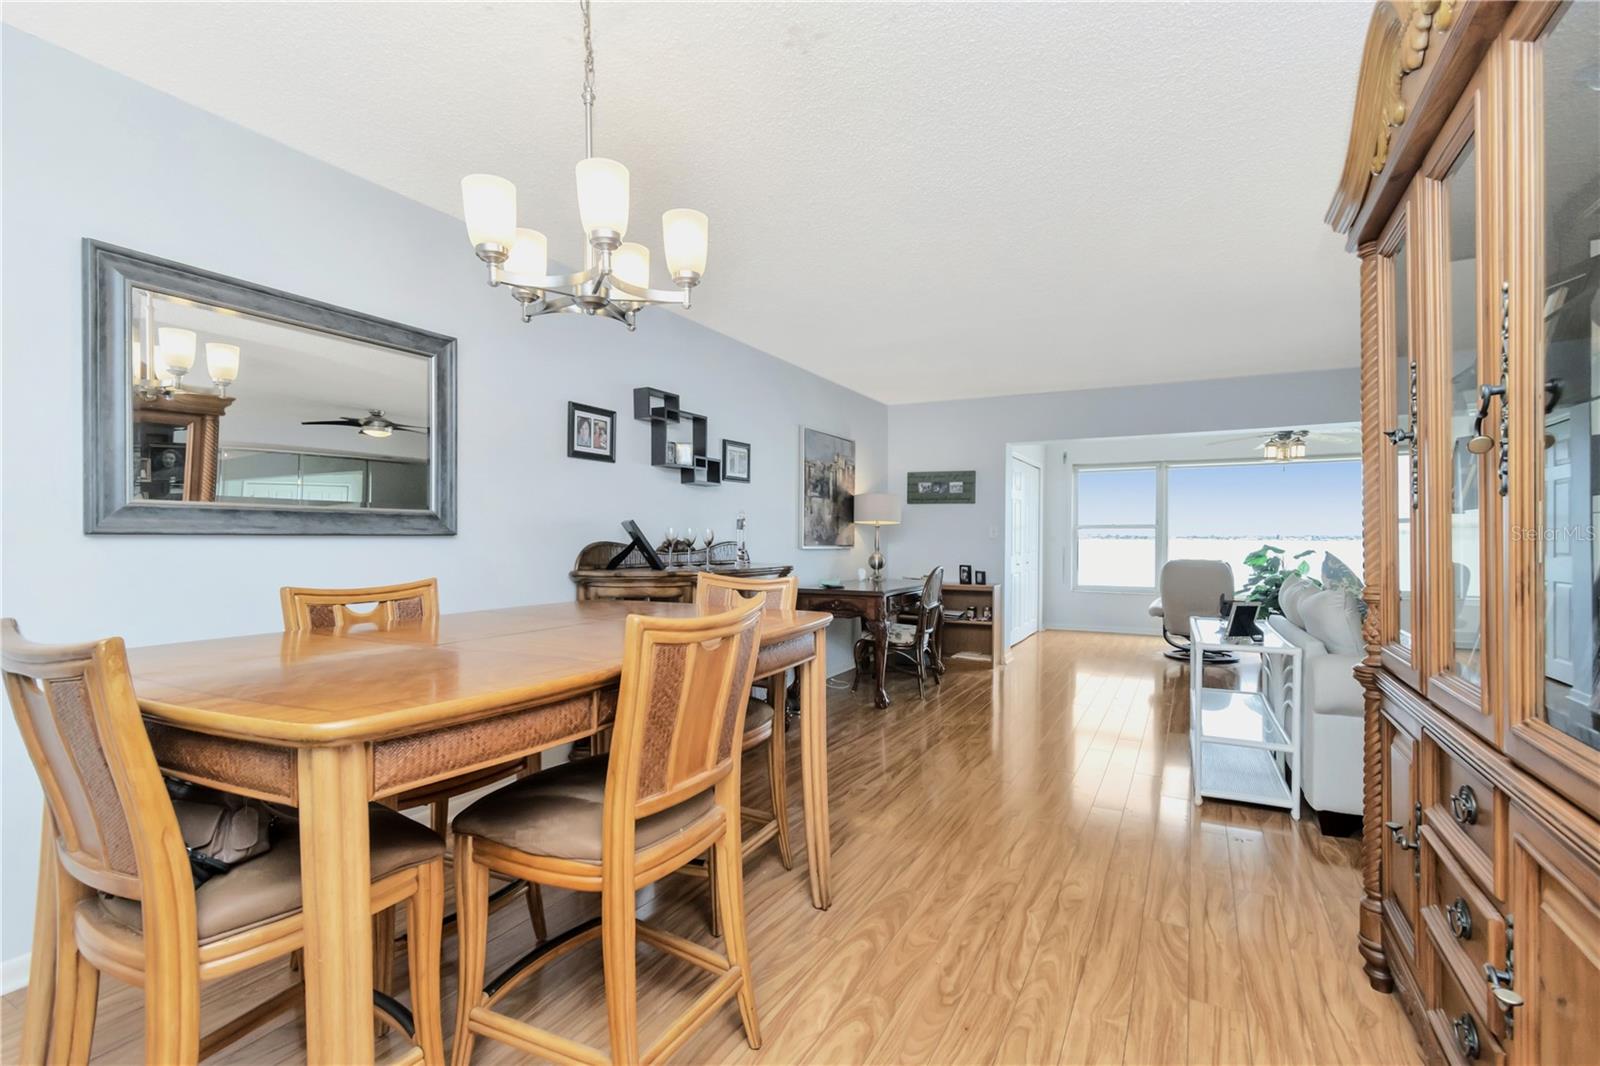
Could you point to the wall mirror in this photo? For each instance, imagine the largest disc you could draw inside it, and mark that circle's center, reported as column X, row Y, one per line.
column 217, row 406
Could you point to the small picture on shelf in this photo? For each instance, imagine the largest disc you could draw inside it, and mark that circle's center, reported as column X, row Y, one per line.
column 980, row 577
column 966, row 573
column 589, row 433
column 735, row 460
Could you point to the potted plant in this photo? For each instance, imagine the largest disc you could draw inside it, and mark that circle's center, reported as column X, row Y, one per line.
column 1268, row 570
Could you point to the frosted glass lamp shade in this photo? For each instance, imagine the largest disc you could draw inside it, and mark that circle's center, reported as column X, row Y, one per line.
column 530, row 254
column 490, row 206
column 222, row 362
column 631, row 263
column 177, row 348
column 603, row 196
column 877, row 509
column 684, row 235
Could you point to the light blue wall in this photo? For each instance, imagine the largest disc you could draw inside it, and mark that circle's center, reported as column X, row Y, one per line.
column 89, row 153
column 973, row 434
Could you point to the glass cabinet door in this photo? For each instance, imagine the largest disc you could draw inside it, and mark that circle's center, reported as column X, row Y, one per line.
column 1555, row 352
column 1398, row 617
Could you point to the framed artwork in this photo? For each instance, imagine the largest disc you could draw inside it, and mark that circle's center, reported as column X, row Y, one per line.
column 827, row 490
column 735, row 460
column 591, row 433
column 942, row 486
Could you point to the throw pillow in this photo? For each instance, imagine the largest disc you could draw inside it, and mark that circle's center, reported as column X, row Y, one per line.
column 1291, row 598
column 1333, row 616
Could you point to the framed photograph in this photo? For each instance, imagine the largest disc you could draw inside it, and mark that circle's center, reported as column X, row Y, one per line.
column 942, row 486
column 966, row 573
column 827, row 490
column 591, row 433
column 735, row 460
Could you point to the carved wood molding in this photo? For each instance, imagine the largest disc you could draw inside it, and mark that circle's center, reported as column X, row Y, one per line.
column 1398, row 39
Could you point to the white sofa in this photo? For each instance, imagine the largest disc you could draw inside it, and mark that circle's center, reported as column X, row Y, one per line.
column 1326, row 623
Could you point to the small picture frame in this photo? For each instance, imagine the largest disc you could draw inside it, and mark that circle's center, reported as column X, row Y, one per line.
column 980, row 577
column 966, row 573
column 591, row 433
column 735, row 460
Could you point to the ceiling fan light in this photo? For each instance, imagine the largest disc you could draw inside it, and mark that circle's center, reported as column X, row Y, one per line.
column 1297, row 450
column 222, row 362
column 530, row 254
column 603, row 197
column 376, row 431
column 631, row 263
column 489, row 203
column 177, row 348
column 684, row 235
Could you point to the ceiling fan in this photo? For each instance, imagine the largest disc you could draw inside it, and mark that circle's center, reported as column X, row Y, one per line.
column 1287, row 445
column 374, row 425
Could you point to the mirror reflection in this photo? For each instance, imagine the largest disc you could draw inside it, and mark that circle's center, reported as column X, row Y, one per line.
column 231, row 408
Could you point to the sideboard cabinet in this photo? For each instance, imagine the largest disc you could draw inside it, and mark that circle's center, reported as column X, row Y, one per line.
column 1471, row 195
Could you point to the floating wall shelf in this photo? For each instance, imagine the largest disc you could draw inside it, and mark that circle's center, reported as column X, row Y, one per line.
column 671, row 428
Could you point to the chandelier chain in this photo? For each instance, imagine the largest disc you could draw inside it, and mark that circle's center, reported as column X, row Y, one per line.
column 588, row 82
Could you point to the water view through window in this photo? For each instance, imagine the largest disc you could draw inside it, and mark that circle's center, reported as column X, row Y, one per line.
column 1223, row 511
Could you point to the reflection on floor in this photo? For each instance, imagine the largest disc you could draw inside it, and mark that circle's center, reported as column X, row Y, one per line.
column 1020, row 877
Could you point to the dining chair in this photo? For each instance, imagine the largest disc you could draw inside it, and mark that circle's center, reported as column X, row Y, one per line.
column 764, row 719
column 381, row 607
column 667, row 791
column 116, row 891
column 914, row 642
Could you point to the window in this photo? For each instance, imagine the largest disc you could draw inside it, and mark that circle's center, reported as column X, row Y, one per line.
column 1129, row 521
column 1114, row 527
column 1228, row 511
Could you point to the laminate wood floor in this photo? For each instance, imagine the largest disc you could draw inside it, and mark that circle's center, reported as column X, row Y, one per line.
column 1020, row 877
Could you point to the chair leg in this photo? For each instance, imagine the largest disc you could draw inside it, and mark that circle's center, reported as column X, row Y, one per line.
column 920, row 670
column 424, row 931
column 730, row 888
column 472, row 935
column 77, row 1030
column 440, row 816
column 778, row 771
column 383, row 932
column 536, row 913
column 42, row 966
column 714, row 917
column 618, row 940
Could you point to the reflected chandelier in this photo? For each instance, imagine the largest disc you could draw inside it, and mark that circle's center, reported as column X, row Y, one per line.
column 615, row 281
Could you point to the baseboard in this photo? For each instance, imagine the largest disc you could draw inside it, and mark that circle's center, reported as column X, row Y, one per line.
column 14, row 973
column 1130, row 631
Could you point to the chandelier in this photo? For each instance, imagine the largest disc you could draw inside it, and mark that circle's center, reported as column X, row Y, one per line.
column 615, row 281
column 1285, row 446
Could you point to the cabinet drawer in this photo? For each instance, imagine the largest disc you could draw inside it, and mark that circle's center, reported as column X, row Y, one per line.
column 1468, row 814
column 1460, row 1029
column 1466, row 927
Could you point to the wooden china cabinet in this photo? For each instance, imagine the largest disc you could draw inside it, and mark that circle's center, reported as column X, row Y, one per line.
column 1471, row 193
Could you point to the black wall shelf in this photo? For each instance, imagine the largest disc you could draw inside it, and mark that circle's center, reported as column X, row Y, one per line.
column 672, row 426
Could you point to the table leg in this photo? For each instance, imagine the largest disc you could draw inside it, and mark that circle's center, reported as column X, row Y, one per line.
column 336, row 879
column 879, row 629
column 813, row 681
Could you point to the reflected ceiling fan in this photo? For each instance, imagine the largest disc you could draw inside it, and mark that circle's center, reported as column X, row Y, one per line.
column 374, row 425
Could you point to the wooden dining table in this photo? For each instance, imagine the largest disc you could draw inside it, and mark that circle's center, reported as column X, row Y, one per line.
column 330, row 721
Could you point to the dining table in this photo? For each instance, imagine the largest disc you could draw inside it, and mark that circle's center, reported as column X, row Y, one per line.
column 330, row 721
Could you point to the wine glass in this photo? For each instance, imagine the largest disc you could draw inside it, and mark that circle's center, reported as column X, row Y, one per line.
column 672, row 545
column 711, row 536
column 688, row 544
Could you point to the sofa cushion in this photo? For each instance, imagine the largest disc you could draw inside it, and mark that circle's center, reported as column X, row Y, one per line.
column 1333, row 688
column 1297, row 636
column 1333, row 617
column 1291, row 594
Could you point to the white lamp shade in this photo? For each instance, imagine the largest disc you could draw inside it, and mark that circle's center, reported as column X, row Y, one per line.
column 877, row 509
column 530, row 254
column 684, row 233
column 603, row 195
column 177, row 348
column 222, row 362
column 490, row 206
column 631, row 263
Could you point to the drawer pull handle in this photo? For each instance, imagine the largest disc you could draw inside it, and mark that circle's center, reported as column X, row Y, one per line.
column 1460, row 919
column 1464, row 805
column 1500, row 985
column 1466, row 1031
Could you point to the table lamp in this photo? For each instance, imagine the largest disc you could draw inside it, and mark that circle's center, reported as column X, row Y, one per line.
column 877, row 509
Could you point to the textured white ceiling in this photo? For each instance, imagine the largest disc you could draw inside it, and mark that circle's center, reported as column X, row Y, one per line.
column 921, row 201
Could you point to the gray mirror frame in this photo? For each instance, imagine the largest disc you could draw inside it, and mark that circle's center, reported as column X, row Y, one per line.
column 110, row 274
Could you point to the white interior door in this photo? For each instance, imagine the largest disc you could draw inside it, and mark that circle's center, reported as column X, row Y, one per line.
column 1560, row 584
column 1024, row 593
